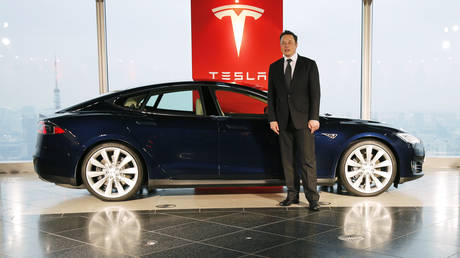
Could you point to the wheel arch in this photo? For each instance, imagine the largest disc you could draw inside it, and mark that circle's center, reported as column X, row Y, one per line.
column 100, row 141
column 364, row 137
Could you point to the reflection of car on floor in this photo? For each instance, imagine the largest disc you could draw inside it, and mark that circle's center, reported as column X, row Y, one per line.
column 207, row 134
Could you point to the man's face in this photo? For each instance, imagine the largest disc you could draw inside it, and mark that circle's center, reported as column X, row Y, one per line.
column 288, row 45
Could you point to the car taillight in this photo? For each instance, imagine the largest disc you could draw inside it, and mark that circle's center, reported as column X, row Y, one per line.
column 48, row 128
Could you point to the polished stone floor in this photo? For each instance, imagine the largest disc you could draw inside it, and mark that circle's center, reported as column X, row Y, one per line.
column 418, row 219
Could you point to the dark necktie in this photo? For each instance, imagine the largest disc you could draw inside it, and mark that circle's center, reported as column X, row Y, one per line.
column 287, row 74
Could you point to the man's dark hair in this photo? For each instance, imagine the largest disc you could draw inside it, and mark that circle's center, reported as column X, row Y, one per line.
column 288, row 32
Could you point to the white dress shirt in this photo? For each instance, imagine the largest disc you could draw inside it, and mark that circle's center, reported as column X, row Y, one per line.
column 293, row 62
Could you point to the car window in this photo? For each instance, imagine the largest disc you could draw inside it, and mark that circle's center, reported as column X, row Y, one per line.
column 132, row 101
column 185, row 102
column 152, row 100
column 234, row 103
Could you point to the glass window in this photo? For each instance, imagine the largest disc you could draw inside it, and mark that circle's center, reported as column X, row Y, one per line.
column 415, row 79
column 232, row 103
column 178, row 102
column 329, row 32
column 150, row 47
column 48, row 61
column 181, row 101
column 152, row 101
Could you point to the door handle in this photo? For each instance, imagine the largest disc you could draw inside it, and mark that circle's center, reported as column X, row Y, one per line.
column 237, row 127
column 149, row 123
column 218, row 118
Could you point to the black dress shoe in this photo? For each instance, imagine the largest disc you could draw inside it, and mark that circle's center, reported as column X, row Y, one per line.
column 314, row 206
column 288, row 201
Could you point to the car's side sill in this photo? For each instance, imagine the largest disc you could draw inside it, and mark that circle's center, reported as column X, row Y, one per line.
column 167, row 183
column 212, row 182
column 326, row 181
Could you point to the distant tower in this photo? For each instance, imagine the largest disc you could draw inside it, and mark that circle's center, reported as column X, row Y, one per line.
column 57, row 95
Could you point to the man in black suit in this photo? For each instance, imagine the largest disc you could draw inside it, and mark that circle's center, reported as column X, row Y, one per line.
column 293, row 99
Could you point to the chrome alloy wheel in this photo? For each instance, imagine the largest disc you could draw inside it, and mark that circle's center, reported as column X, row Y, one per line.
column 112, row 172
column 369, row 169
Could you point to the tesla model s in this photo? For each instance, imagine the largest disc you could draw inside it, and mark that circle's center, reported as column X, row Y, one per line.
column 196, row 134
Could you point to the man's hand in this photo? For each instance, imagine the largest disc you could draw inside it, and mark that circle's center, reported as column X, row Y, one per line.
column 313, row 125
column 274, row 126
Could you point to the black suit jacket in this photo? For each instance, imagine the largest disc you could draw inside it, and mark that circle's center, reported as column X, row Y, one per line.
column 302, row 98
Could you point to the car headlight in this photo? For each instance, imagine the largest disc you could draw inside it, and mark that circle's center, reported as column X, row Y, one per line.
column 408, row 138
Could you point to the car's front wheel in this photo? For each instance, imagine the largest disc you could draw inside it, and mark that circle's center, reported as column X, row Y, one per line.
column 112, row 172
column 367, row 168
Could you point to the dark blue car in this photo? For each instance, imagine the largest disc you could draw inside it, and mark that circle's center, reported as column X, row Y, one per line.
column 191, row 134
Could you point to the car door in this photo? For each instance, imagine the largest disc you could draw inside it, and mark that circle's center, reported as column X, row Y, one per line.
column 248, row 148
column 178, row 133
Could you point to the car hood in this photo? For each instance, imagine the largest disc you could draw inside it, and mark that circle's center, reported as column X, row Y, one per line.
column 367, row 123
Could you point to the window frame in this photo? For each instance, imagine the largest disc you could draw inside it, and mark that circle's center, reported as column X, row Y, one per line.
column 161, row 92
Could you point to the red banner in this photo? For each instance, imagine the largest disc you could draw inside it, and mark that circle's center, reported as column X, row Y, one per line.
column 235, row 40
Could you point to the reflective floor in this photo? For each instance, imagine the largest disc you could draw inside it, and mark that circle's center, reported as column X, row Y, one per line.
column 418, row 219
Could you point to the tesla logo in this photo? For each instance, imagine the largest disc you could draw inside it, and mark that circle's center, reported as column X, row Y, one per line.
column 238, row 76
column 238, row 20
column 255, row 26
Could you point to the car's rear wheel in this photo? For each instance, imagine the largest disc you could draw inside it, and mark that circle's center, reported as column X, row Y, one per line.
column 367, row 168
column 112, row 172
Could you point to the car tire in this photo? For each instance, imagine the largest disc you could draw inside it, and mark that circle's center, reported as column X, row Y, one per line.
column 151, row 190
column 367, row 168
column 112, row 172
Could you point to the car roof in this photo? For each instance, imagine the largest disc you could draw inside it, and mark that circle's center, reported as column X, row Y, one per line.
column 254, row 89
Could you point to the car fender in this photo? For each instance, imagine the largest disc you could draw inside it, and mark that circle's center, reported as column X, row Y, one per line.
column 149, row 163
column 383, row 137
